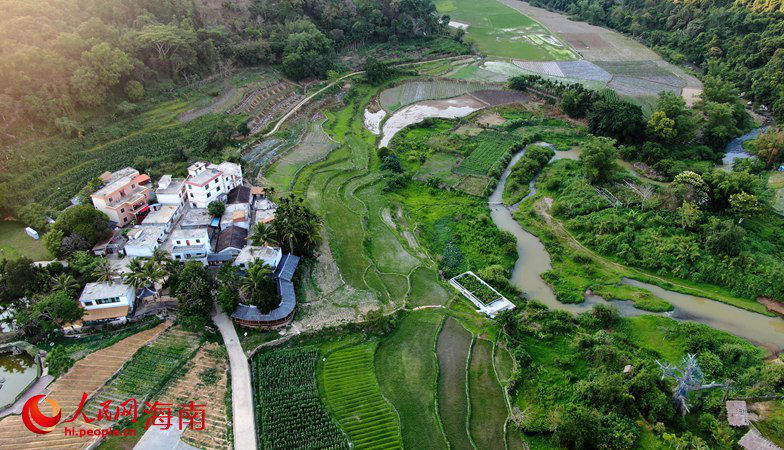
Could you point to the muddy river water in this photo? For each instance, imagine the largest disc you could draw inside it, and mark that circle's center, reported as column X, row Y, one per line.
column 533, row 260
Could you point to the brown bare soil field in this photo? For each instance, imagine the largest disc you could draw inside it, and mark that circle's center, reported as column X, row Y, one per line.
column 204, row 383
column 87, row 375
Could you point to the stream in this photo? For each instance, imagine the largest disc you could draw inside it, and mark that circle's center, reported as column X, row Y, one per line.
column 533, row 260
column 734, row 149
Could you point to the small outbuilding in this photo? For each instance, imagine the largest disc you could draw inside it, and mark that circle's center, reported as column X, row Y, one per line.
column 737, row 413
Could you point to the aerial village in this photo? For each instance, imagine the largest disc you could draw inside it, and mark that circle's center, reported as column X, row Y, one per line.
column 175, row 215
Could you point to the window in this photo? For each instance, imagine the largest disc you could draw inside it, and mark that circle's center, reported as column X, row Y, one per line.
column 125, row 219
column 122, row 210
column 191, row 194
column 193, row 205
column 178, row 242
column 88, row 303
column 197, row 241
column 208, row 194
column 133, row 185
column 190, row 187
column 110, row 199
column 176, row 256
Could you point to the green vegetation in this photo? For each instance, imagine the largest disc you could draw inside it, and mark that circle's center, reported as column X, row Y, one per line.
column 473, row 285
column 352, row 394
column 407, row 371
column 572, row 367
column 290, row 412
column 148, row 371
column 499, row 30
column 488, row 406
column 77, row 348
column 524, row 171
column 716, row 38
column 490, row 155
column 453, row 347
column 15, row 243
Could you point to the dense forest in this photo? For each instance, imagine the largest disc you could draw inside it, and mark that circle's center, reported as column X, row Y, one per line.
column 741, row 41
column 58, row 57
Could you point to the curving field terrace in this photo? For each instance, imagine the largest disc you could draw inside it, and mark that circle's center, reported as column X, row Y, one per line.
column 406, row 367
column 353, row 396
column 410, row 92
column 454, row 343
column 488, row 407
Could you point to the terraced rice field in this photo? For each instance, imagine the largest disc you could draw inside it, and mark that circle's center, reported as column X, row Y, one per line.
column 406, row 367
column 266, row 103
column 488, row 407
column 501, row 31
column 353, row 396
column 315, row 146
column 410, row 92
column 147, row 370
column 454, row 343
column 87, row 375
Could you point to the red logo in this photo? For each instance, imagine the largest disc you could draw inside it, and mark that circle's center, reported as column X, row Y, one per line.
column 35, row 420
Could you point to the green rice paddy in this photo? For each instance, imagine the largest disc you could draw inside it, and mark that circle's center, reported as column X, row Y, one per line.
column 353, row 395
column 501, row 31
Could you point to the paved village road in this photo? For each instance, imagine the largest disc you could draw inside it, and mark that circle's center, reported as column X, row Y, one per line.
column 241, row 391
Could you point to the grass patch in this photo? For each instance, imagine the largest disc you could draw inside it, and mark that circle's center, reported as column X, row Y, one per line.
column 499, row 30
column 454, row 343
column 15, row 243
column 772, row 426
column 352, row 394
column 504, row 364
column 488, row 408
column 406, row 367
column 643, row 299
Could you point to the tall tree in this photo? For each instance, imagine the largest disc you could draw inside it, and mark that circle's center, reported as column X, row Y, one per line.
column 598, row 158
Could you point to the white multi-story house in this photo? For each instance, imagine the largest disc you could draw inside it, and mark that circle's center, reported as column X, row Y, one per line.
column 209, row 182
column 164, row 216
column 191, row 244
column 171, row 191
column 143, row 240
column 106, row 301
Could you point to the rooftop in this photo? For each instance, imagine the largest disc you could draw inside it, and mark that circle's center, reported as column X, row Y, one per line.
column 737, row 413
column 240, row 194
column 93, row 291
column 117, row 180
column 162, row 216
column 188, row 249
column 288, row 302
column 237, row 212
column 287, row 267
column 203, row 177
column 264, row 204
column 232, row 237
column 170, row 186
column 144, row 236
column 190, row 233
column 196, row 217
column 251, row 253
column 228, row 168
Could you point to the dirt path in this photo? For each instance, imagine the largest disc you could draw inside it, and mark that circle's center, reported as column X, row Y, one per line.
column 310, row 97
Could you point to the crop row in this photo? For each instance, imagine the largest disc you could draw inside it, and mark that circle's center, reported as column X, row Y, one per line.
column 354, row 397
column 290, row 412
column 488, row 153
column 472, row 284
column 415, row 91
column 62, row 174
column 147, row 370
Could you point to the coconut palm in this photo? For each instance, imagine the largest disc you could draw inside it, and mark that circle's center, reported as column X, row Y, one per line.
column 104, row 271
column 160, row 257
column 256, row 283
column 263, row 234
column 137, row 275
column 65, row 282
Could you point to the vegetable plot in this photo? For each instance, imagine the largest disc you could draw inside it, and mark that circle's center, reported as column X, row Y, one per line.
column 289, row 410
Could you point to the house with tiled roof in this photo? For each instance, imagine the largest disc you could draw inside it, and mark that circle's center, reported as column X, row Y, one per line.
column 124, row 196
column 228, row 245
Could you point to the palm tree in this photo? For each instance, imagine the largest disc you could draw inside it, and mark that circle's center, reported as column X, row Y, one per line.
column 137, row 275
column 256, row 281
column 153, row 273
column 104, row 271
column 263, row 234
column 64, row 282
column 160, row 257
